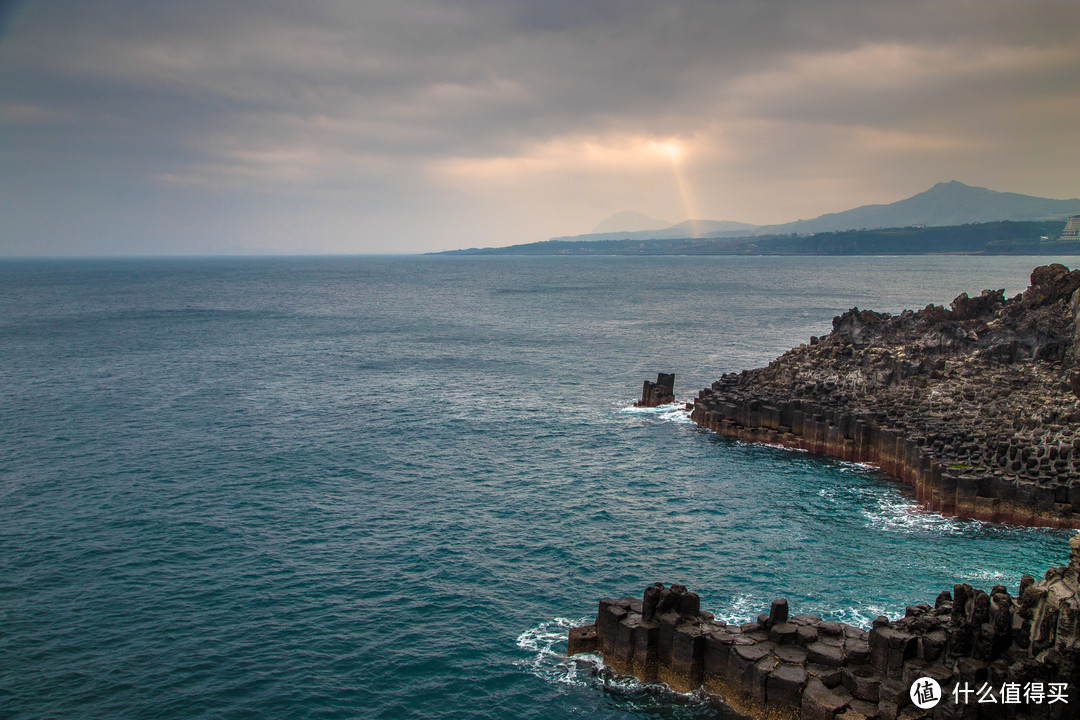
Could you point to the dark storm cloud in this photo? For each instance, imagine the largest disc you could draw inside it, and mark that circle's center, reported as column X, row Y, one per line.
column 471, row 73
column 388, row 99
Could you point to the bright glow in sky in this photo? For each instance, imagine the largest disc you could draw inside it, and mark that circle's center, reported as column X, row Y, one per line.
column 329, row 126
column 671, row 149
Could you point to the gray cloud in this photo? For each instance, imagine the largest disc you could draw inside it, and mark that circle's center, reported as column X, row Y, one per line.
column 386, row 126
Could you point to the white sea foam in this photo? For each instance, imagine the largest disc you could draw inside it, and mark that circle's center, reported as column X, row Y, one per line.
column 546, row 645
column 894, row 513
column 847, row 466
column 861, row 617
column 783, row 447
column 742, row 609
column 672, row 412
column 746, row 608
column 981, row 578
column 885, row 509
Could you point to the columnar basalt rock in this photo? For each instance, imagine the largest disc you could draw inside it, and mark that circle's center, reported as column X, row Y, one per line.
column 974, row 644
column 661, row 392
column 975, row 405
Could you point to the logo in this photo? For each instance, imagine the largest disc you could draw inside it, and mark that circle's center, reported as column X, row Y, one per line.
column 1036, row 692
column 925, row 693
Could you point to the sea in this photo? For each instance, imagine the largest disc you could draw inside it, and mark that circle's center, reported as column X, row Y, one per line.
column 385, row 487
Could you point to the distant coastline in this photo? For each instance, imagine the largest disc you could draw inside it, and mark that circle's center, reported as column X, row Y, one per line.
column 1037, row 237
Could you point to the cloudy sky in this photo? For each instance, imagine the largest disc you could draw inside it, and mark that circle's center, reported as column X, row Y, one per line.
column 357, row 126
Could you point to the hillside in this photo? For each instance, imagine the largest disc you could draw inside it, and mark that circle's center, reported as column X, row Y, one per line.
column 995, row 238
column 951, row 203
column 945, row 204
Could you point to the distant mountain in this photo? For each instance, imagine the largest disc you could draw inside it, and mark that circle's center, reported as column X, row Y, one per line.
column 687, row 228
column 630, row 221
column 947, row 203
column 708, row 228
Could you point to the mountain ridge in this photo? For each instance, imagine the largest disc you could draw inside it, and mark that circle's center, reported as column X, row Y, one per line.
column 944, row 204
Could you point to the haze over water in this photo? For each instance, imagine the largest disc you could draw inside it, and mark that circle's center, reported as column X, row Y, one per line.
column 384, row 487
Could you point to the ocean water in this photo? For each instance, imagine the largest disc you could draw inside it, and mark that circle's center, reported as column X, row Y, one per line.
column 366, row 487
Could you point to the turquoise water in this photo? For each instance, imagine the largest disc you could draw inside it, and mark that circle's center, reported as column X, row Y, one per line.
column 384, row 487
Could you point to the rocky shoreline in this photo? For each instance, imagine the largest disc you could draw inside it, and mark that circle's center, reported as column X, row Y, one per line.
column 974, row 405
column 991, row 655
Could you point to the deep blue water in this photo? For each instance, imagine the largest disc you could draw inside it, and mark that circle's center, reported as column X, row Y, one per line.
column 384, row 487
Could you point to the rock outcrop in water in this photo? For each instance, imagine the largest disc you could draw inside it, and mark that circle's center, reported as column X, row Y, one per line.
column 992, row 655
column 661, row 392
column 974, row 405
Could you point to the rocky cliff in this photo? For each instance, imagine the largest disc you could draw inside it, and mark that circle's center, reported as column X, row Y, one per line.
column 989, row 655
column 974, row 405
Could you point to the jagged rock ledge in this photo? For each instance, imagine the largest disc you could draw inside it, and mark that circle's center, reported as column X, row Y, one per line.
column 661, row 392
column 975, row 405
column 805, row 667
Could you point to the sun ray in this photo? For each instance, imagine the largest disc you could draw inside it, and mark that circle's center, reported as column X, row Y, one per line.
column 674, row 151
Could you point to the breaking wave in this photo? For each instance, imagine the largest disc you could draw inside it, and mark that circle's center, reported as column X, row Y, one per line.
column 672, row 412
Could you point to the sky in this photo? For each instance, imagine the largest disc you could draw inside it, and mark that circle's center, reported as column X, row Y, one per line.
column 372, row 126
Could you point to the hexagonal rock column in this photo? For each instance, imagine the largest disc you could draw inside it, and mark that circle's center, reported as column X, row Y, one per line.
column 661, row 392
column 801, row 666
